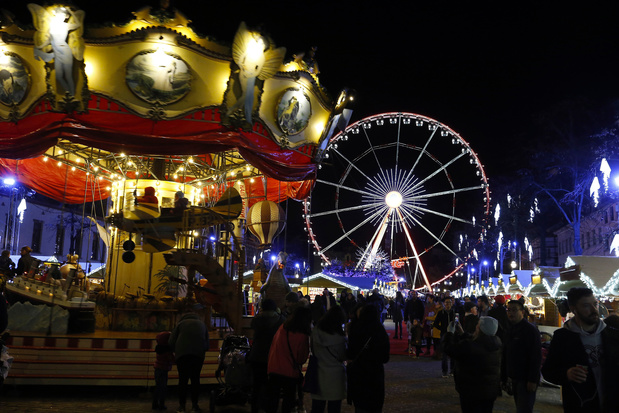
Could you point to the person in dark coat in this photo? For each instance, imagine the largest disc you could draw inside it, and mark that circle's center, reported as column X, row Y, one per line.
column 163, row 364
column 25, row 261
column 368, row 351
column 470, row 317
column 445, row 317
column 499, row 312
column 478, row 364
column 584, row 358
column 189, row 341
column 397, row 313
column 413, row 316
column 7, row 266
column 523, row 358
column 264, row 325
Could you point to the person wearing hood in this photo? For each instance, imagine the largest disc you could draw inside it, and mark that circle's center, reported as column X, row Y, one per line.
column 265, row 324
column 368, row 351
column 180, row 203
column 24, row 264
column 328, row 345
column 163, row 364
column 189, row 341
column 584, row 358
column 149, row 196
column 478, row 364
column 523, row 358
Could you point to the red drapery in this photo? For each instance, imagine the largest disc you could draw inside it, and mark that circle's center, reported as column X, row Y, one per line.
column 110, row 127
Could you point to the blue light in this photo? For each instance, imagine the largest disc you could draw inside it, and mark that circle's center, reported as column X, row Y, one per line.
column 9, row 181
column 212, row 238
column 297, row 265
column 273, row 257
column 486, row 262
column 472, row 269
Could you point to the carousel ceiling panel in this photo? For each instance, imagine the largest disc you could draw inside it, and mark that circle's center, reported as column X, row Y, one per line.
column 154, row 86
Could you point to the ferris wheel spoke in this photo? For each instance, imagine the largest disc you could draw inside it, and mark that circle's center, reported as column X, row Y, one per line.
column 375, row 242
column 440, row 214
column 346, row 234
column 410, row 172
column 450, row 192
column 434, row 236
column 397, row 148
column 439, row 170
column 348, row 209
column 340, row 186
column 352, row 164
column 412, row 245
column 365, row 132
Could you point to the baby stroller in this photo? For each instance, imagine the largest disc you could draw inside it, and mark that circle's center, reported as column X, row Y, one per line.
column 233, row 373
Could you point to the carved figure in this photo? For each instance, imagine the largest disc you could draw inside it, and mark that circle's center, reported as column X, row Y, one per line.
column 59, row 38
column 256, row 60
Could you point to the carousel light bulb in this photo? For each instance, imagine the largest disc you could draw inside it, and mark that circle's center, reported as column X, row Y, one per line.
column 175, row 176
column 59, row 151
column 45, row 159
column 251, row 180
column 122, row 155
column 59, row 163
column 73, row 168
column 190, row 160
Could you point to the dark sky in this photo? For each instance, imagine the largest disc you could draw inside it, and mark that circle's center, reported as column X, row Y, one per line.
column 484, row 70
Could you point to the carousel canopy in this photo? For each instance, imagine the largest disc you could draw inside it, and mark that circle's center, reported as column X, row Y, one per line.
column 153, row 100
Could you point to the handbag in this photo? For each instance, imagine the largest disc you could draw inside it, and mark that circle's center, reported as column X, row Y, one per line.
column 310, row 384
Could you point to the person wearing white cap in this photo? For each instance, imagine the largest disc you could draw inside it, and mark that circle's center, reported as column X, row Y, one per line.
column 478, row 364
column 180, row 202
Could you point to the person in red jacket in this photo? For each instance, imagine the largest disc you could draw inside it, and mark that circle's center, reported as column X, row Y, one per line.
column 163, row 364
column 149, row 196
column 289, row 351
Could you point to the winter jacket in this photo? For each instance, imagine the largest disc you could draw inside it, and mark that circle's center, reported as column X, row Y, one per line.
column 265, row 325
column 523, row 352
column 165, row 356
column 24, row 264
column 189, row 337
column 330, row 350
column 414, row 310
column 478, row 365
column 397, row 311
column 567, row 350
column 281, row 360
column 366, row 372
column 499, row 313
column 442, row 320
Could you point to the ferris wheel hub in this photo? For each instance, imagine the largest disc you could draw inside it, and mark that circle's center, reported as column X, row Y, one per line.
column 393, row 199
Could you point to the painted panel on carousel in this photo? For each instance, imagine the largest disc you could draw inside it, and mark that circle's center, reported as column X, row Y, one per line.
column 14, row 79
column 58, row 42
column 293, row 111
column 255, row 60
column 156, row 76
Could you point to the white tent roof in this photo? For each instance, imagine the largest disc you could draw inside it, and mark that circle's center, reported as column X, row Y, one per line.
column 601, row 274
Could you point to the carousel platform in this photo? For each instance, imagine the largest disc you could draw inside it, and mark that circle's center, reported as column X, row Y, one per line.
column 102, row 358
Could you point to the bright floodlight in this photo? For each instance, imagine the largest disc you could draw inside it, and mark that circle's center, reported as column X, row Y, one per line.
column 617, row 180
column 9, row 181
column 393, row 199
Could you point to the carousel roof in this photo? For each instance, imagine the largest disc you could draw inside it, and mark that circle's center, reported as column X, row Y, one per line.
column 151, row 99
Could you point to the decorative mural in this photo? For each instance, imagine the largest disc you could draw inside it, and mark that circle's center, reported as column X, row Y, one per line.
column 156, row 76
column 293, row 111
column 14, row 79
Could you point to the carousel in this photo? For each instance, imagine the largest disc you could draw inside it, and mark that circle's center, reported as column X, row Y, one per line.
column 135, row 117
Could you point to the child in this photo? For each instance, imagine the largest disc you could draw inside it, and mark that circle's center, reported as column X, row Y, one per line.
column 163, row 364
column 414, row 337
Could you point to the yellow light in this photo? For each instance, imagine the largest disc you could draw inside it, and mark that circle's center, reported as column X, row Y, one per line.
column 73, row 168
column 157, row 183
column 248, row 167
column 190, row 160
column 89, row 68
column 59, row 163
column 45, row 159
column 4, row 58
column 175, row 176
column 122, row 155
column 59, row 151
column 251, row 180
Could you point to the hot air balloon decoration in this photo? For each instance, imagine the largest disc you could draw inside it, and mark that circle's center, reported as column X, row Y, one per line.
column 266, row 220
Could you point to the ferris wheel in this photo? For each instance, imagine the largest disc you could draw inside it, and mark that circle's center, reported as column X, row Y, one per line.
column 404, row 186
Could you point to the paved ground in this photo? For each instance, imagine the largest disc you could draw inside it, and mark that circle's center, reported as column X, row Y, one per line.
column 412, row 385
